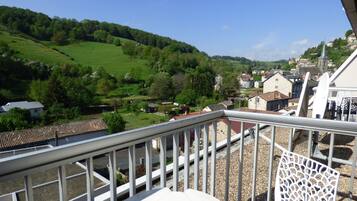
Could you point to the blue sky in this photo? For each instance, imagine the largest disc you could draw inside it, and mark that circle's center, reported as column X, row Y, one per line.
column 257, row 29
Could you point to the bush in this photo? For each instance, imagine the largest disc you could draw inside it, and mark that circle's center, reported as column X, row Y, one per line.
column 114, row 121
column 187, row 96
column 15, row 119
column 117, row 42
column 58, row 112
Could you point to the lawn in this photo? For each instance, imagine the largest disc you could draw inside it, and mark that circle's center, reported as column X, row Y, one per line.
column 141, row 119
column 108, row 56
column 32, row 50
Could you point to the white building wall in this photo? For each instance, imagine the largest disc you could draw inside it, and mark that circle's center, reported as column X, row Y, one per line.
column 347, row 78
column 278, row 83
column 257, row 103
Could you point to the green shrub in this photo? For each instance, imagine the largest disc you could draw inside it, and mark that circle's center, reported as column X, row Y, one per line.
column 114, row 121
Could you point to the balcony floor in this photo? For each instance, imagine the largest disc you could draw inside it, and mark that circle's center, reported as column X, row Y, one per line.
column 262, row 169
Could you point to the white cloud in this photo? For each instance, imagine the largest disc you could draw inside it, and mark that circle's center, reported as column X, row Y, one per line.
column 271, row 48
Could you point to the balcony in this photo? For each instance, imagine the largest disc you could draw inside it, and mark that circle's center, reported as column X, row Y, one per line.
column 242, row 166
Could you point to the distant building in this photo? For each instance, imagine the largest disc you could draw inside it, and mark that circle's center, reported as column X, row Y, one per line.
column 152, row 108
column 228, row 104
column 258, row 84
column 214, row 107
column 322, row 62
column 289, row 87
column 218, row 82
column 293, row 102
column 245, row 81
column 35, row 108
column 271, row 101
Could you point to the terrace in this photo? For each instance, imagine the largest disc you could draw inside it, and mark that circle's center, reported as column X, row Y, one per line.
column 239, row 168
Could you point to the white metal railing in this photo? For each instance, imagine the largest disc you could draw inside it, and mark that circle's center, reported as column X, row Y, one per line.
column 27, row 164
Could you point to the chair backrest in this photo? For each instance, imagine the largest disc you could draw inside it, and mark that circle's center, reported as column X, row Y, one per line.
column 300, row 178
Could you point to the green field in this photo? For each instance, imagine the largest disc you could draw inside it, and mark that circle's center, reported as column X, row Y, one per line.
column 141, row 119
column 32, row 50
column 108, row 56
column 93, row 54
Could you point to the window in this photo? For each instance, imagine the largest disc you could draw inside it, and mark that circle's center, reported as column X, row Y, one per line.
column 276, row 79
column 276, row 86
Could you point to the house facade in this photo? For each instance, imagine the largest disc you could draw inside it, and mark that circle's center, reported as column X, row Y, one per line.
column 278, row 82
column 270, row 101
column 35, row 108
column 245, row 81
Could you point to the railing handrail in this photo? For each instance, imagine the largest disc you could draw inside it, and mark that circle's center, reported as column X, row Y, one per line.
column 81, row 150
column 343, row 127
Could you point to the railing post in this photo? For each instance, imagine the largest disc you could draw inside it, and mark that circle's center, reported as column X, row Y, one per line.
column 205, row 158
column 255, row 160
column 290, row 143
column 175, row 153
column 354, row 159
column 271, row 159
column 113, row 175
column 213, row 159
column 228, row 161
column 330, row 154
column 62, row 183
column 187, row 159
column 148, row 164
column 241, row 158
column 309, row 145
column 89, row 179
column 197, row 158
column 28, row 188
column 163, row 161
column 132, row 171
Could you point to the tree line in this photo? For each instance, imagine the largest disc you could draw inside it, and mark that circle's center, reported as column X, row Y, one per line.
column 62, row 30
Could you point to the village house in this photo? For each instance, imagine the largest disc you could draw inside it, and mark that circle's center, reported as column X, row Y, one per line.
column 245, row 81
column 35, row 108
column 258, row 84
column 228, row 104
column 214, row 107
column 270, row 101
column 289, row 87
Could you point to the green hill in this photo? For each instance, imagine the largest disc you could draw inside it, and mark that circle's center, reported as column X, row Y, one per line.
column 93, row 54
column 108, row 56
column 31, row 50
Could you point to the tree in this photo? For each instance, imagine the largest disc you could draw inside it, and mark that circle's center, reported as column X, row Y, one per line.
column 161, row 87
column 114, row 121
column 15, row 119
column 201, row 80
column 348, row 33
column 38, row 90
column 117, row 42
column 187, row 96
column 129, row 48
column 230, row 85
column 100, row 35
column 59, row 38
column 104, row 86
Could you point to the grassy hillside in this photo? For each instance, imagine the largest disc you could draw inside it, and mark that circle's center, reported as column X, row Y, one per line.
column 108, row 56
column 32, row 50
column 93, row 54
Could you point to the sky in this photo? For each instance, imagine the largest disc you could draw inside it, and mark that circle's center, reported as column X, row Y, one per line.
column 256, row 29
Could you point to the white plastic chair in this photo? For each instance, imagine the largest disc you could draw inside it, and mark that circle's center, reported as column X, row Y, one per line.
column 300, row 178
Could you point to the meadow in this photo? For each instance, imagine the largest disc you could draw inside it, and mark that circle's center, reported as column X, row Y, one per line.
column 108, row 56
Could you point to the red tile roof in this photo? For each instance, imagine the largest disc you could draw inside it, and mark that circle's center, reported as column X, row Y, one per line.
column 36, row 135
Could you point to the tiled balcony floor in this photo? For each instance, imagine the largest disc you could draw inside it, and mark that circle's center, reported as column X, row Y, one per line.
column 262, row 169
